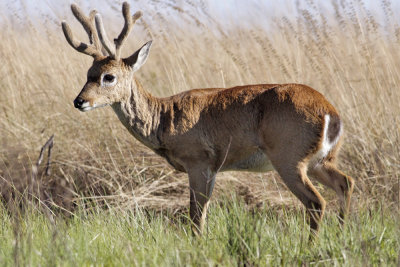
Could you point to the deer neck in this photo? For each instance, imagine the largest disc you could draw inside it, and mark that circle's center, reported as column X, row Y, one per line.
column 138, row 112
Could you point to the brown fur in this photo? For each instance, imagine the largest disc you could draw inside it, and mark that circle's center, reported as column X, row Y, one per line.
column 250, row 128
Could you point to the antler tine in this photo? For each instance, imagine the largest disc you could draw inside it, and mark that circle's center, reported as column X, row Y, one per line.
column 90, row 50
column 108, row 46
column 129, row 22
column 88, row 24
column 94, row 48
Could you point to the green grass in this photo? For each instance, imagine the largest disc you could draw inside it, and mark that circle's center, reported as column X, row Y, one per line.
column 234, row 236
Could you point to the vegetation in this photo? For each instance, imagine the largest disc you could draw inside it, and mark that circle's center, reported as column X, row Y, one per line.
column 109, row 200
column 234, row 236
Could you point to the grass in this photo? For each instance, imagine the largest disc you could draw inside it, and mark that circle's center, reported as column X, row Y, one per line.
column 234, row 236
column 116, row 202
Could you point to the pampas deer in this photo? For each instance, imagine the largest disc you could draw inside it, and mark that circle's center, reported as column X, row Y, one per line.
column 290, row 128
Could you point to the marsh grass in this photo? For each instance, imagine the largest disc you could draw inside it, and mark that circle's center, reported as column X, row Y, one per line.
column 234, row 236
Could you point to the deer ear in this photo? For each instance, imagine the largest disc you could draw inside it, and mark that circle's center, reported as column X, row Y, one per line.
column 139, row 57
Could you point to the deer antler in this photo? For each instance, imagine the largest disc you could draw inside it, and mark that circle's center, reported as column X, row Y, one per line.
column 99, row 39
column 129, row 22
column 94, row 48
column 108, row 46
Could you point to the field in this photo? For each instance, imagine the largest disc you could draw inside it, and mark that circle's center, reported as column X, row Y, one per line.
column 111, row 201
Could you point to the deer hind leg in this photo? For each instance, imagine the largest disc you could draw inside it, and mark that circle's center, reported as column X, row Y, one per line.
column 297, row 181
column 201, row 183
column 327, row 174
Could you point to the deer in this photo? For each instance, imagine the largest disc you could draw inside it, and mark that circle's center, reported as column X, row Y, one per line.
column 289, row 128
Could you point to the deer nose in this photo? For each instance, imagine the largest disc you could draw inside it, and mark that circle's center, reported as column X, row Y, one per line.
column 78, row 102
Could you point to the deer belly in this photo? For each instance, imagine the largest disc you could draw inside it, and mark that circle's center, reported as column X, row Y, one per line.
column 256, row 162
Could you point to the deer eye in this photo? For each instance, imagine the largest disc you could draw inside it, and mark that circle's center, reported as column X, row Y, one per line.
column 109, row 79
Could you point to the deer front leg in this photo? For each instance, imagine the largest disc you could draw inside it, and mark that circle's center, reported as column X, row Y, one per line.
column 201, row 184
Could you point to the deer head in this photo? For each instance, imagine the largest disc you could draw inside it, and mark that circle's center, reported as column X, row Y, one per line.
column 109, row 79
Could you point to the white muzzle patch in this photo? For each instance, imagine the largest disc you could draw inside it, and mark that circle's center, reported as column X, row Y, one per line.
column 86, row 106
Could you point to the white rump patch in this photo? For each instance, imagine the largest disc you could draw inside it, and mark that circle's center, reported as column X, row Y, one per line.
column 326, row 146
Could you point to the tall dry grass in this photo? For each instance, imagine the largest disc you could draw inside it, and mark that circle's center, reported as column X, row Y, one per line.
column 349, row 55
